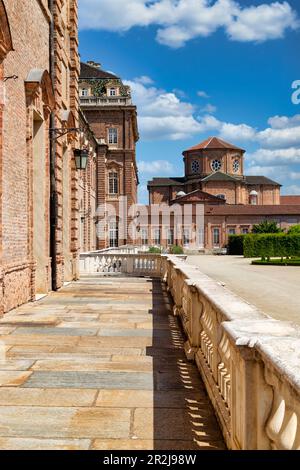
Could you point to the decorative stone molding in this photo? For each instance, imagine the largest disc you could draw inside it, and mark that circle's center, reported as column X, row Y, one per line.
column 39, row 90
column 6, row 44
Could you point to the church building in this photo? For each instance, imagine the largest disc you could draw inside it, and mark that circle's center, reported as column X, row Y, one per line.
column 232, row 201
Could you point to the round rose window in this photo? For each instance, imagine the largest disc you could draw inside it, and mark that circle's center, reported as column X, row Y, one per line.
column 216, row 165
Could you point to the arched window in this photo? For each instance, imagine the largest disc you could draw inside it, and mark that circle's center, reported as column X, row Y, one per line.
column 112, row 92
column 253, row 198
column 113, row 182
column 84, row 92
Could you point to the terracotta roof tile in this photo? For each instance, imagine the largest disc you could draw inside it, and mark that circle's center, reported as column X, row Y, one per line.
column 214, row 143
column 294, row 199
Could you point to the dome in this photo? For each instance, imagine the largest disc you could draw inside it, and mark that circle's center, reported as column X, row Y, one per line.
column 180, row 193
column 254, row 193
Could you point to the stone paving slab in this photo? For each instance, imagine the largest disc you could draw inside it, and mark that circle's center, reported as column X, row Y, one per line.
column 100, row 365
column 53, row 422
column 83, row 379
column 11, row 443
column 46, row 397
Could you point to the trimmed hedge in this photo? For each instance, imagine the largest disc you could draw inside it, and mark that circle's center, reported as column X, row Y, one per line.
column 236, row 244
column 277, row 262
column 271, row 245
column 176, row 250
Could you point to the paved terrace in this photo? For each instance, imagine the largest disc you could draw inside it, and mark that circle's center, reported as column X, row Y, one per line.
column 273, row 289
column 100, row 365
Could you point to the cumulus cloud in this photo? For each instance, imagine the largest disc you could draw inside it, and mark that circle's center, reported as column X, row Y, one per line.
column 162, row 114
column 179, row 21
column 156, row 167
column 276, row 157
column 283, row 133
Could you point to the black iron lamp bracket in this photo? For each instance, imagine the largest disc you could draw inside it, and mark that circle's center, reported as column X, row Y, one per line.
column 58, row 132
column 11, row 77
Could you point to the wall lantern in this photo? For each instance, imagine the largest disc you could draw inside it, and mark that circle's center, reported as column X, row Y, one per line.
column 81, row 158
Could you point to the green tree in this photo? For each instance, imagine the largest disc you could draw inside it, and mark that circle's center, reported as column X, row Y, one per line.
column 294, row 229
column 267, row 227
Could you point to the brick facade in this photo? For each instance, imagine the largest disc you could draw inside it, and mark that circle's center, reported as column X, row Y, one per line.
column 116, row 154
column 216, row 168
column 39, row 184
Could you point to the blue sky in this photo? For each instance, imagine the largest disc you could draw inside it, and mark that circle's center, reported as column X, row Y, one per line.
column 199, row 68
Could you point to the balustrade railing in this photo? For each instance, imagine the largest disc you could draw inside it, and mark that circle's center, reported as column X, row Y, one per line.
column 120, row 263
column 249, row 362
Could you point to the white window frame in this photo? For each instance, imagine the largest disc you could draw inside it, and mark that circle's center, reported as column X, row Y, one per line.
column 112, row 135
column 112, row 91
column 113, row 182
column 216, row 244
column 156, row 236
column 113, row 234
column 84, row 92
column 170, row 236
column 186, row 236
column 144, row 236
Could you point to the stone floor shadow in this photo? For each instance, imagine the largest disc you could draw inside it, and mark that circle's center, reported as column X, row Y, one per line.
column 183, row 417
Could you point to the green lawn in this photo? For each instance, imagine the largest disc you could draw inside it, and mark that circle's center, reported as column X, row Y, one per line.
column 278, row 262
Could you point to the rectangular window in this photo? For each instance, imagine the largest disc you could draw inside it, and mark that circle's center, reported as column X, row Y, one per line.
column 156, row 236
column 112, row 92
column 144, row 236
column 245, row 230
column 231, row 231
column 216, row 237
column 112, row 135
column 113, row 183
column 170, row 236
column 84, row 92
column 113, row 235
column 201, row 238
column 186, row 236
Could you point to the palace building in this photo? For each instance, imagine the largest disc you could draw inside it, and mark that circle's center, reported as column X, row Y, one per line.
column 232, row 201
column 107, row 105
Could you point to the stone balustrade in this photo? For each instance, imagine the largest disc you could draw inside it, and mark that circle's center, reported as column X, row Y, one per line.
column 105, row 101
column 121, row 263
column 250, row 363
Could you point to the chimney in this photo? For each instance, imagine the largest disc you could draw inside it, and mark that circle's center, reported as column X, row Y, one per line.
column 97, row 65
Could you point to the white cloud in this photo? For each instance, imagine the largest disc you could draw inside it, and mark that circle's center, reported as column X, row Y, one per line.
column 292, row 189
column 162, row 115
column 209, row 108
column 179, row 21
column 144, row 80
column 284, row 132
column 155, row 167
column 263, row 22
column 276, row 157
column 202, row 94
